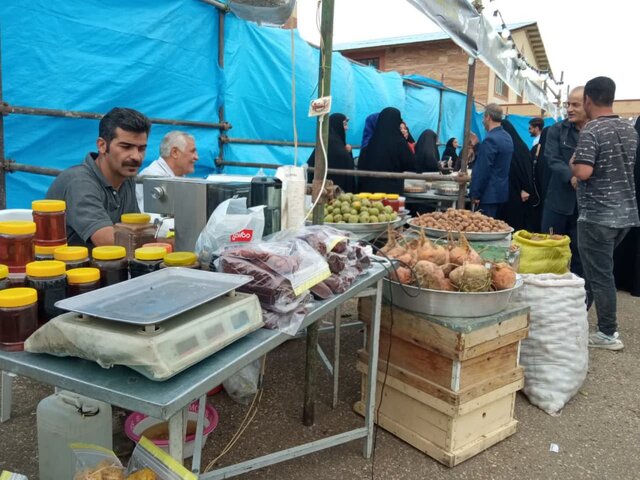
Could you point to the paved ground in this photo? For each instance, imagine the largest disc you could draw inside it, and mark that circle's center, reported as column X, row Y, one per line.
column 598, row 432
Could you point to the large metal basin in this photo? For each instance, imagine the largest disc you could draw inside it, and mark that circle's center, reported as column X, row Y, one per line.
column 447, row 304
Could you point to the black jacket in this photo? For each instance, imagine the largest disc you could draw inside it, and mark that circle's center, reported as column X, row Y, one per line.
column 559, row 147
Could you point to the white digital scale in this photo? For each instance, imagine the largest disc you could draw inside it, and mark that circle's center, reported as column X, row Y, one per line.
column 158, row 324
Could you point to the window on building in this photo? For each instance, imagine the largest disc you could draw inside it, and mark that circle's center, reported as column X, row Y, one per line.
column 500, row 88
column 372, row 61
column 519, row 99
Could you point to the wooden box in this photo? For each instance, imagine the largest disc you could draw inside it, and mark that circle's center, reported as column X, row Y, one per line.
column 447, row 384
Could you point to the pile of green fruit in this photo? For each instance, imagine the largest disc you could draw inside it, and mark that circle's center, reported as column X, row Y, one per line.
column 349, row 208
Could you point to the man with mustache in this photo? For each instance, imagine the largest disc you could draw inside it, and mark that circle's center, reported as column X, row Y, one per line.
column 101, row 189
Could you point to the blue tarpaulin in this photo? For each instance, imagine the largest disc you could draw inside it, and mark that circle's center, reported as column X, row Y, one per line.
column 161, row 58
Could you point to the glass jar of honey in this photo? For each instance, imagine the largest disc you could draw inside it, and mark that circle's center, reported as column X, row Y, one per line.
column 180, row 259
column 44, row 253
column 16, row 244
column 112, row 262
column 18, row 317
column 82, row 280
column 51, row 226
column 147, row 260
column 73, row 257
column 133, row 231
column 392, row 200
column 49, row 279
column 4, row 278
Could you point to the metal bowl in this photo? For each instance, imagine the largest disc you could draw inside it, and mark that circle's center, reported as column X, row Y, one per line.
column 377, row 227
column 448, row 304
column 471, row 236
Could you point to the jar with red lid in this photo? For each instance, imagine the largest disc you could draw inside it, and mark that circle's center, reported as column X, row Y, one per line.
column 17, row 245
column 49, row 217
column 18, row 317
column 392, row 200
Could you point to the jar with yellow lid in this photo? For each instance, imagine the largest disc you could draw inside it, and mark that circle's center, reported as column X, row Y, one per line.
column 112, row 262
column 167, row 246
column 16, row 244
column 18, row 317
column 133, row 231
column 82, row 280
column 51, row 226
column 73, row 257
column 377, row 197
column 147, row 260
column 4, row 277
column 44, row 253
column 49, row 278
column 180, row 259
column 364, row 195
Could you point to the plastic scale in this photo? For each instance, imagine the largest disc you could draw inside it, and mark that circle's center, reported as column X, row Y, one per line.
column 157, row 324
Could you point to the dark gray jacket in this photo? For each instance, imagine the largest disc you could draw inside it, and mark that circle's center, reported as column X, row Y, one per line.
column 559, row 147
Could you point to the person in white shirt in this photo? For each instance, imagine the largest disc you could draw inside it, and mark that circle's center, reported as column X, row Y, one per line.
column 178, row 155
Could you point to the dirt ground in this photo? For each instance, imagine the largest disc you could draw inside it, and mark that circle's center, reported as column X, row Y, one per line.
column 598, row 432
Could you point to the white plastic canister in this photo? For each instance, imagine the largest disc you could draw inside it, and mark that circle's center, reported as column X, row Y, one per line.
column 65, row 418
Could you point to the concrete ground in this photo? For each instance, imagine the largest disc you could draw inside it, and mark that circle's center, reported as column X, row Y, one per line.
column 598, row 432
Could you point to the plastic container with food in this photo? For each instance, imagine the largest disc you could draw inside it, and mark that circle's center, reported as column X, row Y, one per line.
column 50, row 219
column 147, row 260
column 73, row 257
column 133, row 231
column 18, row 317
column 17, row 244
column 82, row 280
column 180, row 259
column 112, row 262
column 49, row 279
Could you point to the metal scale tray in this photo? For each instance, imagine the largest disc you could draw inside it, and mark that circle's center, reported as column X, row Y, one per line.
column 153, row 298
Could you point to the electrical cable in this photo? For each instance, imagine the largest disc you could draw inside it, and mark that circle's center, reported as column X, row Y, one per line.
column 246, row 421
column 326, row 167
column 293, row 99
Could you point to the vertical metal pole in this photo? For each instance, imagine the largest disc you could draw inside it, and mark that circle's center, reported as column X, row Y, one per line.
column 324, row 89
column 462, row 193
column 3, row 179
column 221, row 15
column 337, row 325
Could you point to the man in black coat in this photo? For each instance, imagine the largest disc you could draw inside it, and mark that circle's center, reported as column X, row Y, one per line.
column 560, row 211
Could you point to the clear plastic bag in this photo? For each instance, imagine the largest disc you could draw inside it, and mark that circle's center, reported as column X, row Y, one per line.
column 231, row 223
column 4, row 475
column 242, row 386
column 147, row 458
column 95, row 463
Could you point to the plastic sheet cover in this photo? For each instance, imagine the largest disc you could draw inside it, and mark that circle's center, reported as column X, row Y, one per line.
column 157, row 57
column 475, row 34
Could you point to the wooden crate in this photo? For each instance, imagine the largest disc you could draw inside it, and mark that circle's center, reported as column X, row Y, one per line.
column 449, row 383
column 413, row 416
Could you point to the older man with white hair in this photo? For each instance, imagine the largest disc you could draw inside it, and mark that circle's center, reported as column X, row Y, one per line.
column 178, row 156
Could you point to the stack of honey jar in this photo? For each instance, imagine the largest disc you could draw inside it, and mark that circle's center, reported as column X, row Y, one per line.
column 37, row 268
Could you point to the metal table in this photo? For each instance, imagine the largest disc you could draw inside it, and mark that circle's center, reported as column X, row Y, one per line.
column 169, row 400
column 432, row 196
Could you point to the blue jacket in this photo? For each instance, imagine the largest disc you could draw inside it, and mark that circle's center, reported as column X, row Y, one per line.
column 561, row 143
column 490, row 175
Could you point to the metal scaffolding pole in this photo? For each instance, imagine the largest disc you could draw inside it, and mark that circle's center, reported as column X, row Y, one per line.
column 462, row 192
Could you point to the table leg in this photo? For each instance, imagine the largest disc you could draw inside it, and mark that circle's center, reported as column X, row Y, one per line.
column 374, row 342
column 177, row 425
column 197, row 452
column 5, row 395
column 337, row 320
column 309, row 412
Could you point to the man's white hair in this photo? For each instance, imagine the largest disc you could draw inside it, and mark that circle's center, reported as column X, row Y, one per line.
column 175, row 138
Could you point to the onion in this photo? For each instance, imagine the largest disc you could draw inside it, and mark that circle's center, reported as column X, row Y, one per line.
column 502, row 276
column 471, row 277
